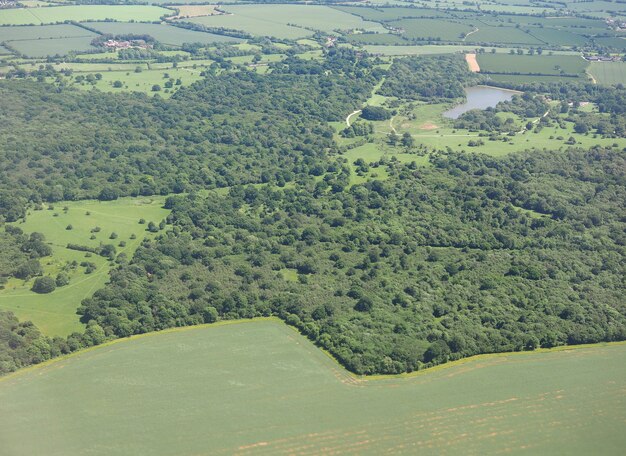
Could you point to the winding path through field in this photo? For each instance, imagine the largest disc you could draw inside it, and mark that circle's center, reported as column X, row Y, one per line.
column 358, row 111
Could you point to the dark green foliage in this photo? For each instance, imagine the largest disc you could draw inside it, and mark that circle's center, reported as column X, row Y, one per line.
column 21, row 344
column 232, row 128
column 428, row 78
column 44, row 285
column 375, row 113
column 19, row 253
column 470, row 256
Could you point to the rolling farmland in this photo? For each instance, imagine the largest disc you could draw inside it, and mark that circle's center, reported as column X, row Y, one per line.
column 49, row 15
column 260, row 388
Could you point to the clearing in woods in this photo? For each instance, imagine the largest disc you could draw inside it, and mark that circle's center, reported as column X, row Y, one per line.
column 258, row 387
column 55, row 313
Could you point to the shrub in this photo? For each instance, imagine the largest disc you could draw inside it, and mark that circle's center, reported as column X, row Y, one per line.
column 44, row 285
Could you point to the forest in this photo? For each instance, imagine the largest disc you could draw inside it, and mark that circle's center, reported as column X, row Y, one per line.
column 467, row 254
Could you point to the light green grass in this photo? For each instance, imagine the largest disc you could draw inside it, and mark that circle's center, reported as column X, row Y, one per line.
column 55, row 313
column 258, row 387
column 80, row 13
column 608, row 73
column 143, row 81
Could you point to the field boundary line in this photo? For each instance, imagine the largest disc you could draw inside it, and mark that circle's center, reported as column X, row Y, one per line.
column 355, row 377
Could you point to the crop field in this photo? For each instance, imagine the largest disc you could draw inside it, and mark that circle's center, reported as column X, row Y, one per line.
column 54, row 46
column 616, row 42
column 286, row 21
column 608, row 73
column 258, row 387
column 391, row 14
column 55, row 313
column 554, row 37
column 427, row 29
column 36, row 32
column 506, row 35
column 528, row 79
column 427, row 49
column 166, row 34
column 79, row 13
column 529, row 64
column 376, row 39
column 252, row 25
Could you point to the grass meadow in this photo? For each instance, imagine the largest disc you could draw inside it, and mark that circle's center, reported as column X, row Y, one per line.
column 55, row 313
column 258, row 387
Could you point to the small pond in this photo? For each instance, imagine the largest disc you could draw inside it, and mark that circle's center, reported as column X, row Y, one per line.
column 480, row 97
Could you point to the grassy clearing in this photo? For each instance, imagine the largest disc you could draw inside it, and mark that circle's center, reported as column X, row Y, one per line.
column 608, row 73
column 506, row 35
column 55, row 313
column 260, row 388
column 145, row 80
column 166, row 34
column 80, row 13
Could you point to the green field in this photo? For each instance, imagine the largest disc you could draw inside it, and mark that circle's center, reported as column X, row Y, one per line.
column 52, row 47
column 49, row 15
column 431, row 29
column 528, row 64
column 286, row 21
column 608, row 73
column 163, row 33
column 55, row 313
column 35, row 32
column 505, row 35
column 260, row 388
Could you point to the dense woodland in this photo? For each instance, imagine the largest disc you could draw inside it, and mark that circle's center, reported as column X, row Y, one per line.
column 471, row 254
column 429, row 78
column 231, row 128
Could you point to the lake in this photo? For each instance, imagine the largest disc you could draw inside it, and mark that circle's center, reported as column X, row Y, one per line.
column 480, row 97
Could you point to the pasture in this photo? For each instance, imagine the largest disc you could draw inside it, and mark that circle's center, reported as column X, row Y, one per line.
column 80, row 13
column 166, row 34
column 258, row 387
column 608, row 73
column 55, row 313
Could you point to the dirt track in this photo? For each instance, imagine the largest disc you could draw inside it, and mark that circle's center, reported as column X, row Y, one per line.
column 472, row 63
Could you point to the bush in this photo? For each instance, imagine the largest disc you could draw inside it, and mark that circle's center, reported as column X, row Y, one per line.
column 375, row 113
column 44, row 285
